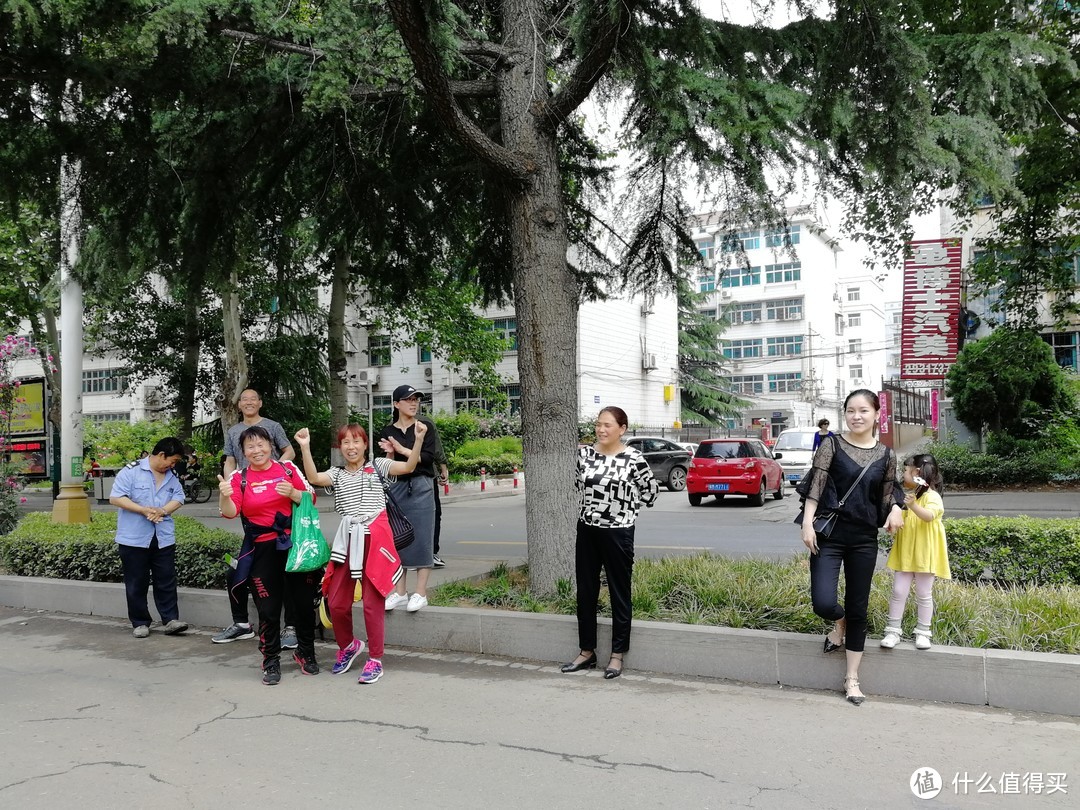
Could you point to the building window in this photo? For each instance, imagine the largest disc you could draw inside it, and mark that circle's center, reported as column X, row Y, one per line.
column 382, row 404
column 839, row 357
column 784, row 309
column 707, row 282
column 784, row 346
column 854, row 346
column 378, row 347
column 748, row 384
column 103, row 381
column 706, row 247
column 775, row 237
column 742, row 349
column 839, row 324
column 98, row 418
column 897, row 318
column 748, row 312
column 855, row 372
column 468, row 399
column 785, row 383
column 741, row 277
column 854, row 319
column 709, row 313
column 853, row 294
column 742, row 240
column 1065, row 345
column 508, row 328
column 423, row 354
column 779, row 273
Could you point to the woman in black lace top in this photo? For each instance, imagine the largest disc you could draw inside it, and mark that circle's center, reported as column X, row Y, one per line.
column 872, row 503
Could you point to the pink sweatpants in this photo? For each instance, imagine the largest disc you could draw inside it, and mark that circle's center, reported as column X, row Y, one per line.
column 340, row 599
column 924, row 596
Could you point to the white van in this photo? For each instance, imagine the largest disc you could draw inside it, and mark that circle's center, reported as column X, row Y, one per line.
column 796, row 445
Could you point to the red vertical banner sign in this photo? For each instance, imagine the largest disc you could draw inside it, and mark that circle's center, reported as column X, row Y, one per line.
column 931, row 336
column 935, row 396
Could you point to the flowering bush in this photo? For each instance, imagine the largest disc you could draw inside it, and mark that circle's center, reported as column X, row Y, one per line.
column 12, row 349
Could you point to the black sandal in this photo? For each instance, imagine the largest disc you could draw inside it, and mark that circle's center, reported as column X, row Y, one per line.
column 611, row 672
column 575, row 665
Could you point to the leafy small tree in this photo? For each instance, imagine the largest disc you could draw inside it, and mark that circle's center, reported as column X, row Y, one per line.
column 707, row 394
column 1009, row 382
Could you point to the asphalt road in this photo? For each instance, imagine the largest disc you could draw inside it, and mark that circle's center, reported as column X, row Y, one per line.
column 493, row 528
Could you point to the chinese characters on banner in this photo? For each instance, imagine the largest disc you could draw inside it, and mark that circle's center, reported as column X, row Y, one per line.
column 930, row 338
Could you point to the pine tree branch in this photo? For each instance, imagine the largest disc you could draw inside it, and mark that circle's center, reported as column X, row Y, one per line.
column 478, row 88
column 412, row 25
column 592, row 67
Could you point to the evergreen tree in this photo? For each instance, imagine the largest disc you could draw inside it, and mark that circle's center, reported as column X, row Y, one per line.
column 707, row 394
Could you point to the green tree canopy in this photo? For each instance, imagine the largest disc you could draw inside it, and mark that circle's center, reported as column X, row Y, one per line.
column 1009, row 381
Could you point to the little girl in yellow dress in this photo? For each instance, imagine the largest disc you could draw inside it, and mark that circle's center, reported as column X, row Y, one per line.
column 919, row 551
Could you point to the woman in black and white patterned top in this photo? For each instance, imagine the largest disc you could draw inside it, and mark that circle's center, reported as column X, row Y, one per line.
column 615, row 482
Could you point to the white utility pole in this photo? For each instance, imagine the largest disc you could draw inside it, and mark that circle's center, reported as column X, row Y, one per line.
column 71, row 505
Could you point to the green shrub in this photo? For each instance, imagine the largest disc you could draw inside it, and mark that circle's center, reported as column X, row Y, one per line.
column 456, row 429
column 40, row 548
column 1014, row 550
column 498, row 456
column 962, row 466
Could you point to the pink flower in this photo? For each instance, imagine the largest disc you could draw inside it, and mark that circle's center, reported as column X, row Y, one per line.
column 22, row 500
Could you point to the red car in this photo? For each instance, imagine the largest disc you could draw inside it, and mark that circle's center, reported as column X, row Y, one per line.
column 734, row 467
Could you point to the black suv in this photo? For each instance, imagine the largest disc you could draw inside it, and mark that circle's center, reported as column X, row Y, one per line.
column 669, row 461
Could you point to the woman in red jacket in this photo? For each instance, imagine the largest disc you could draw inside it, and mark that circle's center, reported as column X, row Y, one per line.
column 363, row 547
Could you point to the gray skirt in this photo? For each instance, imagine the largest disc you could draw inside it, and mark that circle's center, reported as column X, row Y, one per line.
column 416, row 497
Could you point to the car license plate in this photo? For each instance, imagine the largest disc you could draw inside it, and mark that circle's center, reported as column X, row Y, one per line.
column 718, row 487
column 794, row 477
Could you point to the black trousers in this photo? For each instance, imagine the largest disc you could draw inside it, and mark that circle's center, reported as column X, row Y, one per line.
column 612, row 549
column 270, row 587
column 239, row 606
column 144, row 567
column 856, row 549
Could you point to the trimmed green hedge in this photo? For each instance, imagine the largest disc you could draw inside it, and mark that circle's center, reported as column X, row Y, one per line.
column 37, row 547
column 497, row 456
column 966, row 467
column 1012, row 551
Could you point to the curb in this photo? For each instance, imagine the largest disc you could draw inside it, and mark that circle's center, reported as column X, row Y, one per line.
column 1021, row 681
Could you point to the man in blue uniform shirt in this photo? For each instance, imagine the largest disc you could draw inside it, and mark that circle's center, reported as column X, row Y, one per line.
column 147, row 493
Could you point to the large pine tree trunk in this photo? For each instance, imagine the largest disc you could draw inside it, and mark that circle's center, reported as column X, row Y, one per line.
column 546, row 299
column 335, row 349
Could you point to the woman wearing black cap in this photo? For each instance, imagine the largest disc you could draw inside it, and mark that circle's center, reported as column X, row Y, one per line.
column 415, row 494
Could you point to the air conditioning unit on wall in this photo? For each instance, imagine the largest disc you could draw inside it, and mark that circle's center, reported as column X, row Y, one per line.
column 725, row 293
column 368, row 375
column 427, row 373
column 648, row 361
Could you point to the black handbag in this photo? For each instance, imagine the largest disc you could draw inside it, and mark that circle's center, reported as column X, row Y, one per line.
column 400, row 526
column 825, row 522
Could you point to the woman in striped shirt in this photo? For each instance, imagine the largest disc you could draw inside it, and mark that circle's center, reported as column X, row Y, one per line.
column 363, row 547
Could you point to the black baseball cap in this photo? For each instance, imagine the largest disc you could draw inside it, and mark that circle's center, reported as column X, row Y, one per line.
column 406, row 392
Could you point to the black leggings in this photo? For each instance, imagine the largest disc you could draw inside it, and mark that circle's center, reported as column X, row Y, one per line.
column 857, row 550
column 270, row 587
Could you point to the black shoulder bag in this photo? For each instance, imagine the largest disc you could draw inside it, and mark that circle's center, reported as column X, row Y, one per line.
column 825, row 521
column 400, row 526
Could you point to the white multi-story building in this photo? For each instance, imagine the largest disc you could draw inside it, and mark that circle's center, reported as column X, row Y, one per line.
column 627, row 356
column 804, row 326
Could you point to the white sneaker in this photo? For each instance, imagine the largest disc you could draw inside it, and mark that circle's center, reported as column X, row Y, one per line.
column 396, row 600
column 892, row 637
column 416, row 601
column 922, row 640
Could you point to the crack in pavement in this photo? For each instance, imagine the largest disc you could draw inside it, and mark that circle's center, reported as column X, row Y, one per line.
column 599, row 759
column 110, row 763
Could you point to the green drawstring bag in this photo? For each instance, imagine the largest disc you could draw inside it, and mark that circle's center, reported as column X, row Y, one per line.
column 309, row 550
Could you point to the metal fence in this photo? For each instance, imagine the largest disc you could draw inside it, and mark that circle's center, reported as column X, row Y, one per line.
column 908, row 404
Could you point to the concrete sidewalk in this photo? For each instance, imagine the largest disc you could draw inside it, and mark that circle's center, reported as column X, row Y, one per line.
column 95, row 718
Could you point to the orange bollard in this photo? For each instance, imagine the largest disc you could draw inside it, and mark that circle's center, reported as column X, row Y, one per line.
column 515, row 477
column 483, row 479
